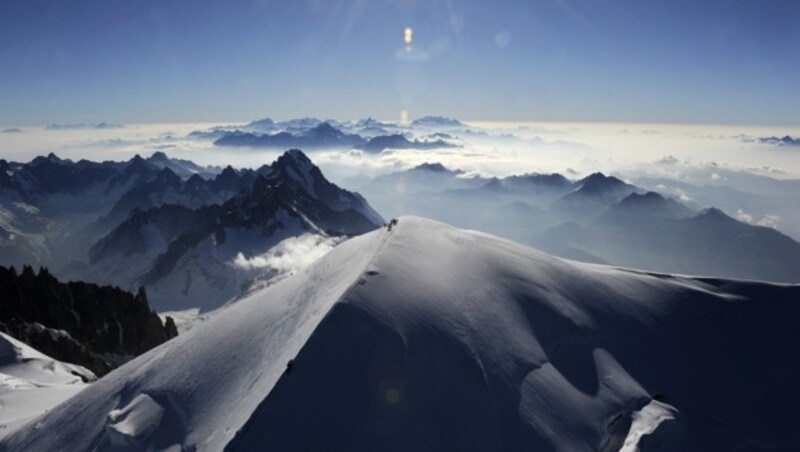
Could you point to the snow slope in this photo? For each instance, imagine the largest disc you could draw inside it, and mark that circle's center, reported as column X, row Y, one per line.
column 428, row 337
column 31, row 382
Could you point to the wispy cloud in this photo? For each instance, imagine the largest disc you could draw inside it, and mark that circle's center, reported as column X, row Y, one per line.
column 290, row 255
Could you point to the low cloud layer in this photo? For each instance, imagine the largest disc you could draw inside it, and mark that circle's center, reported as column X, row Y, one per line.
column 290, row 255
column 492, row 149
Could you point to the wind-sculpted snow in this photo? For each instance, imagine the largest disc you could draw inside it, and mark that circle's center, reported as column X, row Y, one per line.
column 32, row 382
column 209, row 384
column 426, row 337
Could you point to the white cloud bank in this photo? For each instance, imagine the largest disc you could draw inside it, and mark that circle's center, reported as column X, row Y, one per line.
column 290, row 255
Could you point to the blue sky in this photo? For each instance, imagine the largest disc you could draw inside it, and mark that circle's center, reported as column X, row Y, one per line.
column 734, row 62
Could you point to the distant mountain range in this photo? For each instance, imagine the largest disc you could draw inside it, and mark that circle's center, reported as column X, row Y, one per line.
column 324, row 135
column 184, row 255
column 781, row 141
column 436, row 122
column 598, row 218
column 52, row 210
column 149, row 218
column 182, row 230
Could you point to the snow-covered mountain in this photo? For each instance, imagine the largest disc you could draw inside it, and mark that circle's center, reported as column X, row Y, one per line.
column 31, row 383
column 426, row 337
column 189, row 258
column 130, row 223
column 45, row 218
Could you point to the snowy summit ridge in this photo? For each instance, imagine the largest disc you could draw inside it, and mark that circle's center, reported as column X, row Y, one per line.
column 426, row 337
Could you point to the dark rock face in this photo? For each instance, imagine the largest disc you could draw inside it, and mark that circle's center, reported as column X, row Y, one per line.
column 170, row 220
column 166, row 187
column 291, row 190
column 292, row 184
column 98, row 327
column 6, row 179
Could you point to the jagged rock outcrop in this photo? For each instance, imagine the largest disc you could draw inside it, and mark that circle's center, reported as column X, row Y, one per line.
column 98, row 327
column 181, row 254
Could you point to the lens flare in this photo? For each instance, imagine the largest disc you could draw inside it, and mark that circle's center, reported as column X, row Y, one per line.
column 408, row 37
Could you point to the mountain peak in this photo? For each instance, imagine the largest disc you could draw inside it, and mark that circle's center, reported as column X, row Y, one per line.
column 295, row 159
column 553, row 180
column 597, row 177
column 433, row 167
column 138, row 165
column 296, row 155
column 168, row 176
column 652, row 203
column 50, row 158
column 295, row 166
column 324, row 128
column 369, row 122
column 650, row 198
column 265, row 122
column 509, row 347
column 439, row 121
column 227, row 172
column 596, row 191
column 599, row 182
column 159, row 157
column 714, row 214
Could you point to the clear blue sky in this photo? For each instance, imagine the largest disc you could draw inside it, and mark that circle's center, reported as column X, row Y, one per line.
column 679, row 61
